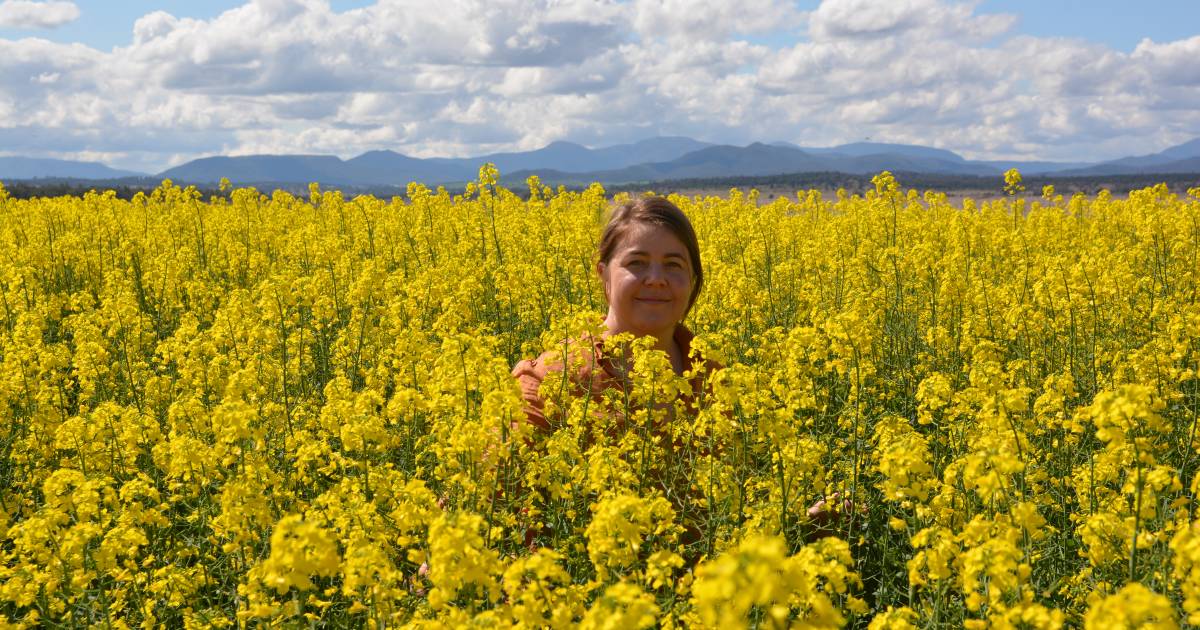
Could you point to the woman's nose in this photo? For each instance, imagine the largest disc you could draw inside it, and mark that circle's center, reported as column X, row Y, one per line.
column 655, row 274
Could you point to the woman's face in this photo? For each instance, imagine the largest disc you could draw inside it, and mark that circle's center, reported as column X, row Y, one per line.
column 647, row 282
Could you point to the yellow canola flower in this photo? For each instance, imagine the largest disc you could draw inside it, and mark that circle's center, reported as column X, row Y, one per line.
column 621, row 527
column 300, row 550
column 1024, row 615
column 1129, row 415
column 902, row 618
column 903, row 459
column 459, row 559
column 539, row 592
column 622, row 605
column 801, row 590
column 1186, row 568
column 1134, row 606
column 1012, row 182
column 1004, row 386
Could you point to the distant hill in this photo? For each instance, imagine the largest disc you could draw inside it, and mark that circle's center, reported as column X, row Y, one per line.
column 565, row 162
column 567, row 155
column 260, row 168
column 775, row 159
column 860, row 149
column 913, row 162
column 1181, row 158
column 391, row 168
column 1187, row 165
column 1031, row 167
column 384, row 168
column 1188, row 149
column 575, row 158
column 662, row 149
column 652, row 160
column 711, row 161
column 12, row 168
column 755, row 159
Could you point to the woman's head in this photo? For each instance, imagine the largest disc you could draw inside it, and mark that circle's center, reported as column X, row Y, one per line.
column 649, row 261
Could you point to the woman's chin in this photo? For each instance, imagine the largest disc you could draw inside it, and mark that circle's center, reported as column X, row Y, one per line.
column 653, row 327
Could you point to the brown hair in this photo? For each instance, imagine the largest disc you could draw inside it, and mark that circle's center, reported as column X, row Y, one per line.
column 657, row 211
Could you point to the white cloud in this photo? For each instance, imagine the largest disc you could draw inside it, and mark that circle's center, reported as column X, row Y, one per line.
column 153, row 26
column 709, row 20
column 597, row 75
column 1171, row 62
column 869, row 18
column 28, row 14
column 302, row 46
column 476, row 76
column 32, row 69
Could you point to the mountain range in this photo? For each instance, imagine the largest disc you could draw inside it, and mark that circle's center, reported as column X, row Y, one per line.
column 12, row 168
column 655, row 159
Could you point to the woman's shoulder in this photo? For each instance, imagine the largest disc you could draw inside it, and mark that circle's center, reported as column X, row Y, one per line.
column 531, row 373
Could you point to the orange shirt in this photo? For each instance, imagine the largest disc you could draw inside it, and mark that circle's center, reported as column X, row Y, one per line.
column 531, row 372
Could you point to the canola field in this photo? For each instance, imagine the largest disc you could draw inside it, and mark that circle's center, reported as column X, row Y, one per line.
column 286, row 410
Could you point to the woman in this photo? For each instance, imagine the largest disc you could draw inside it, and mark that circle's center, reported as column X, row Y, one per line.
column 649, row 264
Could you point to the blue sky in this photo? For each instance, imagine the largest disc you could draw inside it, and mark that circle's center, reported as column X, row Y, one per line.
column 103, row 24
column 1120, row 24
column 146, row 85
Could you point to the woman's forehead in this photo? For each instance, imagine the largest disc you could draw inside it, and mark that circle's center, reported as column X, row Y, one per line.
column 651, row 238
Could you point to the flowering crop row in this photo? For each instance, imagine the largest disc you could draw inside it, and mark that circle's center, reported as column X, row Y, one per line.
column 275, row 409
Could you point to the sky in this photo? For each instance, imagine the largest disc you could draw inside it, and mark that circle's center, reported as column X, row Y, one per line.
column 149, row 85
